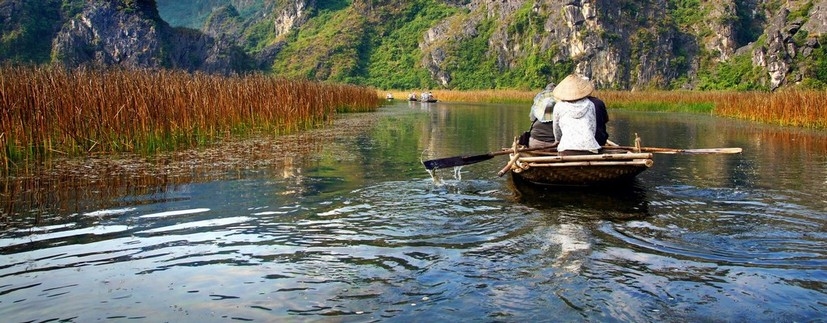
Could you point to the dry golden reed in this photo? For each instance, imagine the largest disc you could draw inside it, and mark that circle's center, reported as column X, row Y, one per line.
column 806, row 109
column 671, row 97
column 796, row 108
column 484, row 96
column 45, row 111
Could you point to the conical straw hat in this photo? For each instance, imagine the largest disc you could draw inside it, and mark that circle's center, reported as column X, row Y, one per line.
column 573, row 88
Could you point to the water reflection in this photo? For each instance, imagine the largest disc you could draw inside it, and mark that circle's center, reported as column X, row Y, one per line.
column 607, row 203
column 356, row 230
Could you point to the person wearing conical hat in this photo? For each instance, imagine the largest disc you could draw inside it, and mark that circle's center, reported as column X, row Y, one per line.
column 574, row 117
column 541, row 133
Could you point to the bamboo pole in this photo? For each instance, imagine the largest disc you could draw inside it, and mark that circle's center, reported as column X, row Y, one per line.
column 643, row 162
column 690, row 151
column 556, row 159
column 514, row 157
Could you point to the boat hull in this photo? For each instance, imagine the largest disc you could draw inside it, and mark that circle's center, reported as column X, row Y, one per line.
column 588, row 170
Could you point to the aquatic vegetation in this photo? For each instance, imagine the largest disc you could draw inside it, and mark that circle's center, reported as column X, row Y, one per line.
column 51, row 111
column 796, row 108
column 484, row 96
column 667, row 101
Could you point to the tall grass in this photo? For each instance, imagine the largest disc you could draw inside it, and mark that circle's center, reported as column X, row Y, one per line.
column 667, row 101
column 46, row 111
column 483, row 96
column 806, row 109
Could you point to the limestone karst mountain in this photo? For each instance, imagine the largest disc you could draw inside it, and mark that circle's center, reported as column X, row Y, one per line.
column 456, row 44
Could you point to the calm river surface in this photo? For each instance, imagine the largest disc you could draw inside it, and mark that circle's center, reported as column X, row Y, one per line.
column 355, row 230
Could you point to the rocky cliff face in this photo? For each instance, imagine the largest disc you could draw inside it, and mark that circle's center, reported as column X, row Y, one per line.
column 131, row 34
column 105, row 35
column 637, row 44
column 790, row 39
column 292, row 16
column 621, row 44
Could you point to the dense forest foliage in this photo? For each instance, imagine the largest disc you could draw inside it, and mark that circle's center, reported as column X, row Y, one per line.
column 382, row 49
column 380, row 43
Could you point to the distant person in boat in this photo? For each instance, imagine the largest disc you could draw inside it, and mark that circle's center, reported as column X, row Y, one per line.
column 426, row 96
column 542, row 129
column 412, row 97
column 575, row 117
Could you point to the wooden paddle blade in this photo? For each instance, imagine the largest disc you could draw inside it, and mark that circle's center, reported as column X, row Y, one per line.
column 699, row 151
column 712, row 151
column 455, row 161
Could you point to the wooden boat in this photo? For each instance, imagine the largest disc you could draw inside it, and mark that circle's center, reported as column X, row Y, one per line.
column 544, row 166
column 612, row 167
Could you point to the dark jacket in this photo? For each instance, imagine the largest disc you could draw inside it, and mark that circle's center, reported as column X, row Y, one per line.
column 543, row 131
column 600, row 133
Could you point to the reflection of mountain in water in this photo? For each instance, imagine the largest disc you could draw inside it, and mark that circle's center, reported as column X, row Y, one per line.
column 609, row 203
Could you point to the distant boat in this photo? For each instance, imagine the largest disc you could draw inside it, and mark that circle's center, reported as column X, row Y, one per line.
column 427, row 97
column 389, row 96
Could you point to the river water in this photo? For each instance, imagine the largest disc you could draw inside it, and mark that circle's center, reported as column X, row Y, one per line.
column 356, row 230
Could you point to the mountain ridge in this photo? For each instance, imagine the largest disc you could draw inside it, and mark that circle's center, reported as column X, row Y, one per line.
column 472, row 44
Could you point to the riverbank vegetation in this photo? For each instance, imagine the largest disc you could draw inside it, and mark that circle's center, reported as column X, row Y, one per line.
column 480, row 96
column 51, row 111
column 798, row 108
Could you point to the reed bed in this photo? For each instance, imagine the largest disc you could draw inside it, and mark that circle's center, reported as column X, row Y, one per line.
column 806, row 109
column 483, row 96
column 680, row 97
column 668, row 101
column 797, row 108
column 46, row 111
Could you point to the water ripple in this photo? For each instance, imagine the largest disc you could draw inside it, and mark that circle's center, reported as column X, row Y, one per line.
column 729, row 226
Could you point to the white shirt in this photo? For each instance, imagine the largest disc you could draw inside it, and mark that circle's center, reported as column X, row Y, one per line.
column 574, row 125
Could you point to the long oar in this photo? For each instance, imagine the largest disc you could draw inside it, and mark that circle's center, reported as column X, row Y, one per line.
column 467, row 160
column 700, row 151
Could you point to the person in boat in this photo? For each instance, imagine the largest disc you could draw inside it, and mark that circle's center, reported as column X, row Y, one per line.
column 602, row 118
column 425, row 97
column 574, row 117
column 542, row 129
column 412, row 97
